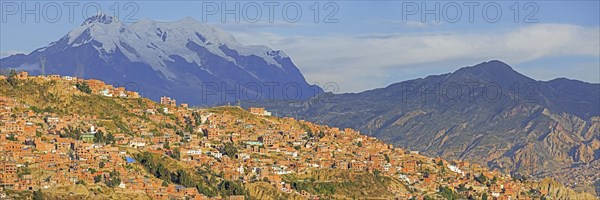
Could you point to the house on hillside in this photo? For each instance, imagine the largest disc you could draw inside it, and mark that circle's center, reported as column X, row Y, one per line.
column 168, row 101
column 259, row 111
column 90, row 136
column 22, row 75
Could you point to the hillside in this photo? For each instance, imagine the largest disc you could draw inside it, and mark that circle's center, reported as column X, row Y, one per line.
column 487, row 114
column 66, row 138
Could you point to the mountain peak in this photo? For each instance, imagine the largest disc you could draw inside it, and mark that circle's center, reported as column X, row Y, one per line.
column 162, row 56
column 494, row 66
column 188, row 19
column 493, row 70
column 101, row 18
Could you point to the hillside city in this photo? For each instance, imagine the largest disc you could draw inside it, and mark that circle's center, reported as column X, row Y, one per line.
column 65, row 137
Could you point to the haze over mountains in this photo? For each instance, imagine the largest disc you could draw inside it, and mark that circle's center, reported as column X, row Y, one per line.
column 487, row 113
column 185, row 59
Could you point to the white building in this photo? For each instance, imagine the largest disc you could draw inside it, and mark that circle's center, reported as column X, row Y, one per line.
column 137, row 144
column 386, row 167
column 243, row 156
column 280, row 170
column 217, row 154
column 404, row 177
column 456, row 169
column 495, row 194
column 194, row 152
column 105, row 93
column 69, row 78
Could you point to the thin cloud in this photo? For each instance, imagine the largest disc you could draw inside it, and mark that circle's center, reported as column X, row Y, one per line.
column 361, row 62
column 4, row 54
column 258, row 26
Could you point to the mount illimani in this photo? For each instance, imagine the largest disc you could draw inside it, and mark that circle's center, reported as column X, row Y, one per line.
column 188, row 60
column 487, row 113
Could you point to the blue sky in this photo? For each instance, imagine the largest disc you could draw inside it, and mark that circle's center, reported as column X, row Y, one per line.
column 362, row 45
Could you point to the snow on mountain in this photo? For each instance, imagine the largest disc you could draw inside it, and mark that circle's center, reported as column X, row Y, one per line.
column 168, row 58
column 153, row 42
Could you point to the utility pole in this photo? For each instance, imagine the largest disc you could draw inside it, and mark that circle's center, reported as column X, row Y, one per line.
column 43, row 64
column 80, row 70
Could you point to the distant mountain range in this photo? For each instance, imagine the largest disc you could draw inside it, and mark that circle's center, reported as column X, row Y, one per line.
column 487, row 113
column 190, row 61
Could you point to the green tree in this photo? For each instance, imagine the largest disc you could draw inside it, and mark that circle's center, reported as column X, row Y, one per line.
column 83, row 87
column 166, row 145
column 99, row 137
column 377, row 172
column 176, row 154
column 97, row 178
column 12, row 79
column 12, row 137
column 228, row 188
column 462, row 188
column 447, row 193
column 184, row 178
column 12, row 73
column 110, row 138
column 321, row 134
column 101, row 165
column 114, row 179
column 205, row 190
column 158, row 166
column 484, row 196
column 309, row 132
column 481, row 179
column 38, row 195
column 229, row 149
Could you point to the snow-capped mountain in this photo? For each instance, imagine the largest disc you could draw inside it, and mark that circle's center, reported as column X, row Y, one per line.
column 185, row 59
